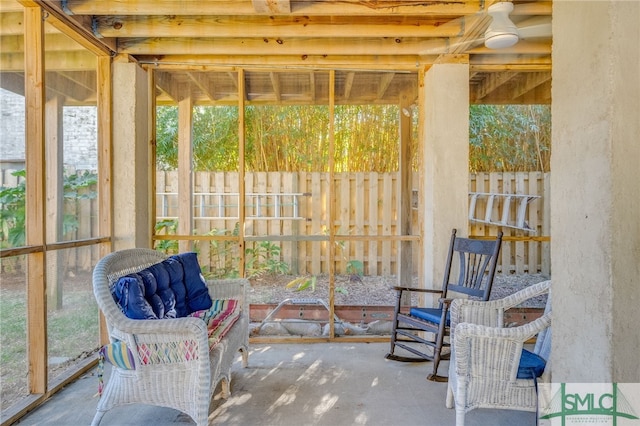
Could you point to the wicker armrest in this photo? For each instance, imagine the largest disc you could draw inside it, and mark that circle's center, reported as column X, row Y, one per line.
column 491, row 313
column 187, row 326
column 234, row 288
column 478, row 348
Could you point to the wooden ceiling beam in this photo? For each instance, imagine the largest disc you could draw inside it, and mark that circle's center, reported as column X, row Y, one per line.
column 399, row 63
column 493, row 81
column 79, row 28
column 312, row 46
column 275, row 82
column 474, row 27
column 544, row 64
column 203, row 83
column 183, row 90
column 267, row 47
column 348, row 84
column 86, row 79
column 53, row 42
column 523, row 47
column 504, row 96
column 12, row 23
column 12, row 81
column 385, row 81
column 312, row 86
column 10, row 6
column 297, row 7
column 506, row 62
column 70, row 61
column 61, row 85
column 164, row 81
column 529, row 82
column 273, row 27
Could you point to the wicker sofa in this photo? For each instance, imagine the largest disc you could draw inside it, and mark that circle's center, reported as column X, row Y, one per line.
column 173, row 363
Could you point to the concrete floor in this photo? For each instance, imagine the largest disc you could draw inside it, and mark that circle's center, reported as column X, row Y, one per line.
column 296, row 384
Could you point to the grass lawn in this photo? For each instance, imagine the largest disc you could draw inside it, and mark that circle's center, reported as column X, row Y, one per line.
column 72, row 330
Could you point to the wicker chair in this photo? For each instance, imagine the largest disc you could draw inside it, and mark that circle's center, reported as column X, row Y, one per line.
column 487, row 358
column 185, row 381
column 469, row 272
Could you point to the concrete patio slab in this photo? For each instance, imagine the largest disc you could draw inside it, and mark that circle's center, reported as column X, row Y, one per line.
column 296, row 384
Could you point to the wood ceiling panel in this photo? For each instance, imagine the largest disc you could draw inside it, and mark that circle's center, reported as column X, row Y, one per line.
column 286, row 46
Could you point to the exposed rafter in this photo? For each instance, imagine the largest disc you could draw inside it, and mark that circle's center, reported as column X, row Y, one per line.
column 284, row 46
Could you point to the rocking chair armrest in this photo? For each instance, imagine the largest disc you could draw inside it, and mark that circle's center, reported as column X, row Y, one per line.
column 422, row 290
column 446, row 302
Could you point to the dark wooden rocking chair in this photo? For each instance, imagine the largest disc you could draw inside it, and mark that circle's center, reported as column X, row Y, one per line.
column 474, row 263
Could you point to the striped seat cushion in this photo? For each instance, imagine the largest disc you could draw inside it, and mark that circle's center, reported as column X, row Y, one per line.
column 219, row 318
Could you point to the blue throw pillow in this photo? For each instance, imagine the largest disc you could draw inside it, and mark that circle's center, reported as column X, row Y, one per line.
column 531, row 365
column 197, row 292
column 129, row 294
column 167, row 295
column 176, row 283
column 151, row 292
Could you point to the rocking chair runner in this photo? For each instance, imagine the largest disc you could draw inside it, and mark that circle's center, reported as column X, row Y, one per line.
column 475, row 262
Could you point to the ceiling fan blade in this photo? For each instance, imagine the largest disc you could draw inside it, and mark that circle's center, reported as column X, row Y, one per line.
column 502, row 32
column 536, row 27
column 443, row 47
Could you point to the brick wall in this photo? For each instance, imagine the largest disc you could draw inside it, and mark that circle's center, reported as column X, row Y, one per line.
column 80, row 133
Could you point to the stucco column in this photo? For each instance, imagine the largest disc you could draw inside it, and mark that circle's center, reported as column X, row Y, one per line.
column 595, row 192
column 132, row 180
column 445, row 96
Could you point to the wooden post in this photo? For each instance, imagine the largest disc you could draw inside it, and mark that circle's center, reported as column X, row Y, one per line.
column 185, row 168
column 405, row 256
column 54, row 196
column 332, row 202
column 35, row 201
column 241, row 170
column 105, row 167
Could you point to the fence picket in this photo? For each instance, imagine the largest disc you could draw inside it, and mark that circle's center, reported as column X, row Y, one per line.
column 366, row 204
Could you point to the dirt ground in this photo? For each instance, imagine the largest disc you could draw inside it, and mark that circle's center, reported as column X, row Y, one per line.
column 370, row 290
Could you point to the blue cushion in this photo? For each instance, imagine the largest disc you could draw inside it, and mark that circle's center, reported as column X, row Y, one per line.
column 129, row 294
column 173, row 288
column 429, row 314
column 531, row 365
column 167, row 295
column 151, row 292
column 197, row 292
column 176, row 283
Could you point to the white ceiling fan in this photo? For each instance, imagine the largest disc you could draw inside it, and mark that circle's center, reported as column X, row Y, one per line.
column 503, row 33
column 500, row 33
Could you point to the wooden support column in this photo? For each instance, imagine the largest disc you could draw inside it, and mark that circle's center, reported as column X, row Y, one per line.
column 132, row 171
column 405, row 191
column 241, row 170
column 35, row 199
column 446, row 161
column 185, row 171
column 332, row 202
column 105, row 189
column 55, row 197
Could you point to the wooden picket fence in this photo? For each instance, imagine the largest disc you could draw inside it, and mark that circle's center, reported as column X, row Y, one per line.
column 291, row 210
